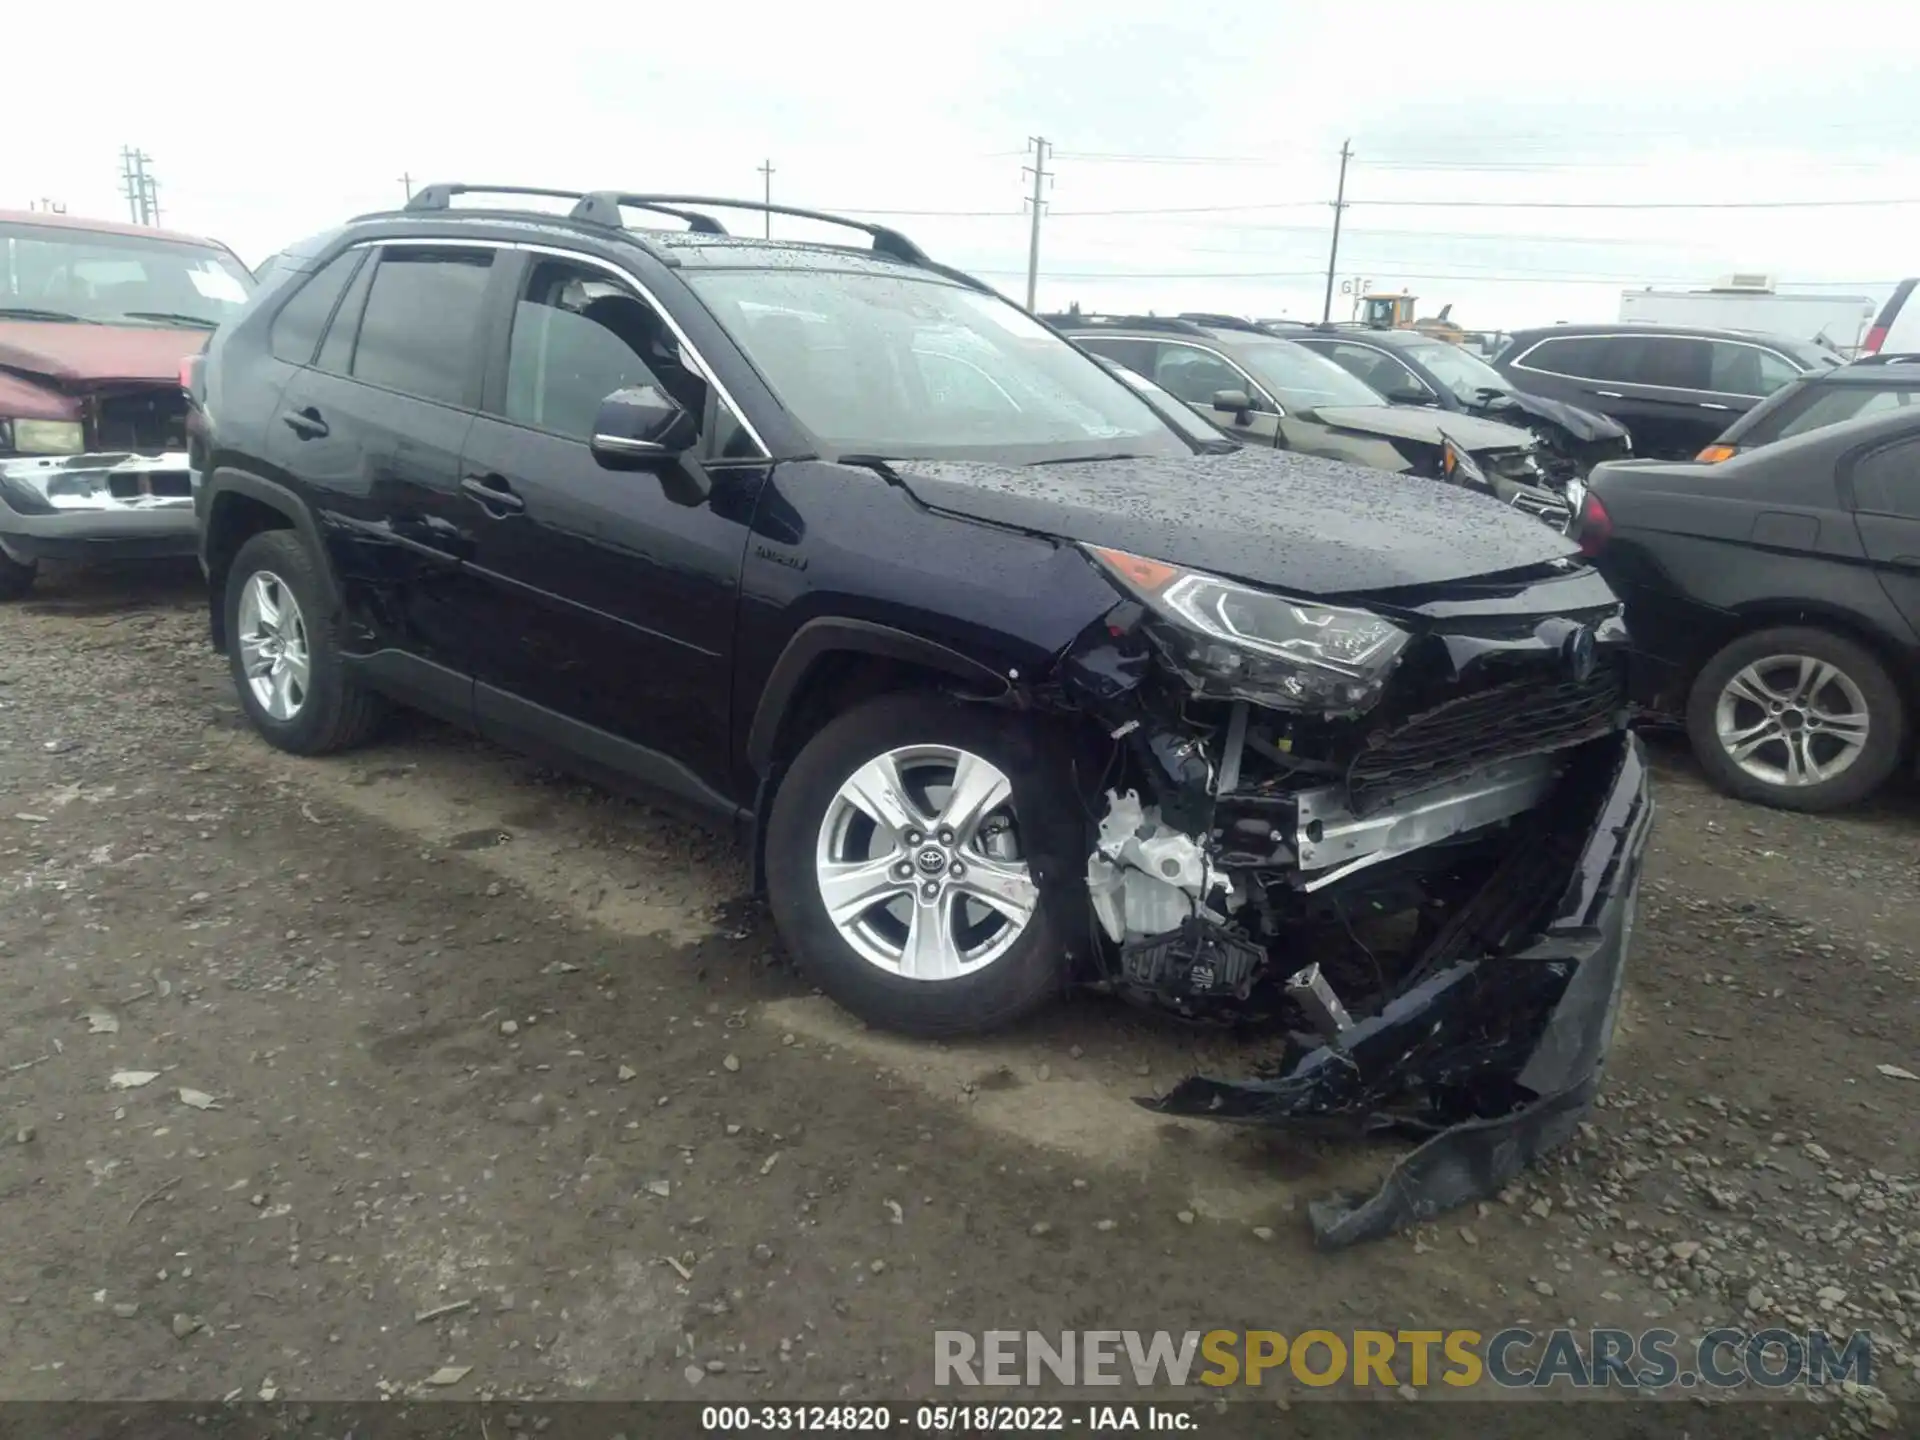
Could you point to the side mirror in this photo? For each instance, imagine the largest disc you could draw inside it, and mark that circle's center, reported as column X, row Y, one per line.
column 1235, row 403
column 641, row 426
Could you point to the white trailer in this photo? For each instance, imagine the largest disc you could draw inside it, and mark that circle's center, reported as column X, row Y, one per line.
column 1837, row 320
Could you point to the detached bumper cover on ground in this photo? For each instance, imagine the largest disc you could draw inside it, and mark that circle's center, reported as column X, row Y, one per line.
column 1502, row 1053
column 109, row 506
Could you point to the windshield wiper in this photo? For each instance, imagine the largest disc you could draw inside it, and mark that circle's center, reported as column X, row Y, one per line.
column 199, row 322
column 30, row 312
column 1089, row 459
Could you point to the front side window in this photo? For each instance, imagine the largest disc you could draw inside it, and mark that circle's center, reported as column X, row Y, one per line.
column 1469, row 378
column 1300, row 379
column 578, row 337
column 1196, row 375
column 59, row 273
column 422, row 319
column 879, row 363
column 1375, row 369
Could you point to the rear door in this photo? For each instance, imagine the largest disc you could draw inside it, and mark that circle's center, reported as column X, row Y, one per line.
column 374, row 427
column 615, row 591
column 1885, row 487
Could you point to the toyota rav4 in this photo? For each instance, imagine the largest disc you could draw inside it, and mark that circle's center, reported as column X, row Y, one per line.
column 1010, row 684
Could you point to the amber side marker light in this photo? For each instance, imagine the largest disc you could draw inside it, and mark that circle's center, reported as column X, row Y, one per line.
column 1714, row 454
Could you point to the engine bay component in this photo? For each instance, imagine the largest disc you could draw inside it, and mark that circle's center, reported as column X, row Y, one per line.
column 1309, row 989
column 1199, row 961
column 1146, row 877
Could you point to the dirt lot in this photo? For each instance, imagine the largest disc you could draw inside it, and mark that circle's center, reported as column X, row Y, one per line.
column 437, row 1030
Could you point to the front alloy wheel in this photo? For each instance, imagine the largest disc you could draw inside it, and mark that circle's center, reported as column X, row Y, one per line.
column 918, row 851
column 919, row 863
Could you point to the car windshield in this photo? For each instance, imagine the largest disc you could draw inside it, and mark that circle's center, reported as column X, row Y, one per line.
column 895, row 366
column 1461, row 371
column 50, row 272
column 1299, row 379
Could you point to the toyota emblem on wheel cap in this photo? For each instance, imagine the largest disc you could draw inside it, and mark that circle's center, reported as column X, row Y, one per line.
column 931, row 861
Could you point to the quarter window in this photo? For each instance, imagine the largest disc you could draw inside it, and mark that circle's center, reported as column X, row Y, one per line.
column 422, row 322
column 1887, row 482
column 295, row 333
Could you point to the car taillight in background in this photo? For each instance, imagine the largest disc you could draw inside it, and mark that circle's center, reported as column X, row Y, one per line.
column 1876, row 337
column 1592, row 527
column 1714, row 454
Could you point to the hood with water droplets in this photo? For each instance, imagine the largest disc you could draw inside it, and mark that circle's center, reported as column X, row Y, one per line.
column 1291, row 522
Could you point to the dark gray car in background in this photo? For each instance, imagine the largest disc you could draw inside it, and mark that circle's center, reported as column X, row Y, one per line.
column 1674, row 387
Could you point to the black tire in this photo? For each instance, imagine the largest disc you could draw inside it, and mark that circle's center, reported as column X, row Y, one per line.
column 1886, row 725
column 1034, row 968
column 336, row 712
column 16, row 579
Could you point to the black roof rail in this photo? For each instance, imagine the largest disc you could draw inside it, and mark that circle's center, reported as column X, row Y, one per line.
column 602, row 207
column 1094, row 320
column 1226, row 322
column 1891, row 357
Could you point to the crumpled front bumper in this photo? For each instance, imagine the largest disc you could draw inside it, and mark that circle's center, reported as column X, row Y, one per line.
column 1526, row 1030
column 61, row 507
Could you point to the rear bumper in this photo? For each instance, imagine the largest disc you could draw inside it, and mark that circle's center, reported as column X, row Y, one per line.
column 1509, row 1048
column 114, row 506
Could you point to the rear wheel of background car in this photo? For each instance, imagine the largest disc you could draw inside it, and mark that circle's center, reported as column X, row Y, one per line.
column 1798, row 718
column 15, row 579
column 281, row 648
column 919, row 864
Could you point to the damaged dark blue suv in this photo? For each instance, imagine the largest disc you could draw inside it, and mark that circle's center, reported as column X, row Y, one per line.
column 1013, row 685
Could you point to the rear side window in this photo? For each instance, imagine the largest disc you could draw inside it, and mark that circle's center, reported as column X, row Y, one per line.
column 295, row 333
column 1581, row 356
column 1887, row 482
column 1668, row 361
column 419, row 331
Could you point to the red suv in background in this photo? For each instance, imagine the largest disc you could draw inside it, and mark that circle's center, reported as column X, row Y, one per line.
column 96, row 320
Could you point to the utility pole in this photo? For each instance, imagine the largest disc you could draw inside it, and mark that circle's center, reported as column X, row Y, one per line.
column 1333, row 255
column 766, row 177
column 153, row 192
column 1040, row 179
column 406, row 181
column 133, row 184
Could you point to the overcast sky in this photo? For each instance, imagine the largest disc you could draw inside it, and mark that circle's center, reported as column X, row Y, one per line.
column 268, row 124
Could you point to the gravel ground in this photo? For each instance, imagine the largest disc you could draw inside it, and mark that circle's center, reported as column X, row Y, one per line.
column 427, row 1071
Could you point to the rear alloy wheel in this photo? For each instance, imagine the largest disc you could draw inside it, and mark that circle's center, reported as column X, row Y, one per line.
column 910, row 855
column 281, row 649
column 1797, row 718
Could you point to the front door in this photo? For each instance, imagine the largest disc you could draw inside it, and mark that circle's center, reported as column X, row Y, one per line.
column 616, row 589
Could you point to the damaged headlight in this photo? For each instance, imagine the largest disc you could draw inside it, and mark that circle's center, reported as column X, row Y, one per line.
column 1234, row 642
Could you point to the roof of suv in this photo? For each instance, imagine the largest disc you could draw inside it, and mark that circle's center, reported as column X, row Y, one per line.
column 1877, row 372
column 705, row 242
column 1643, row 327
